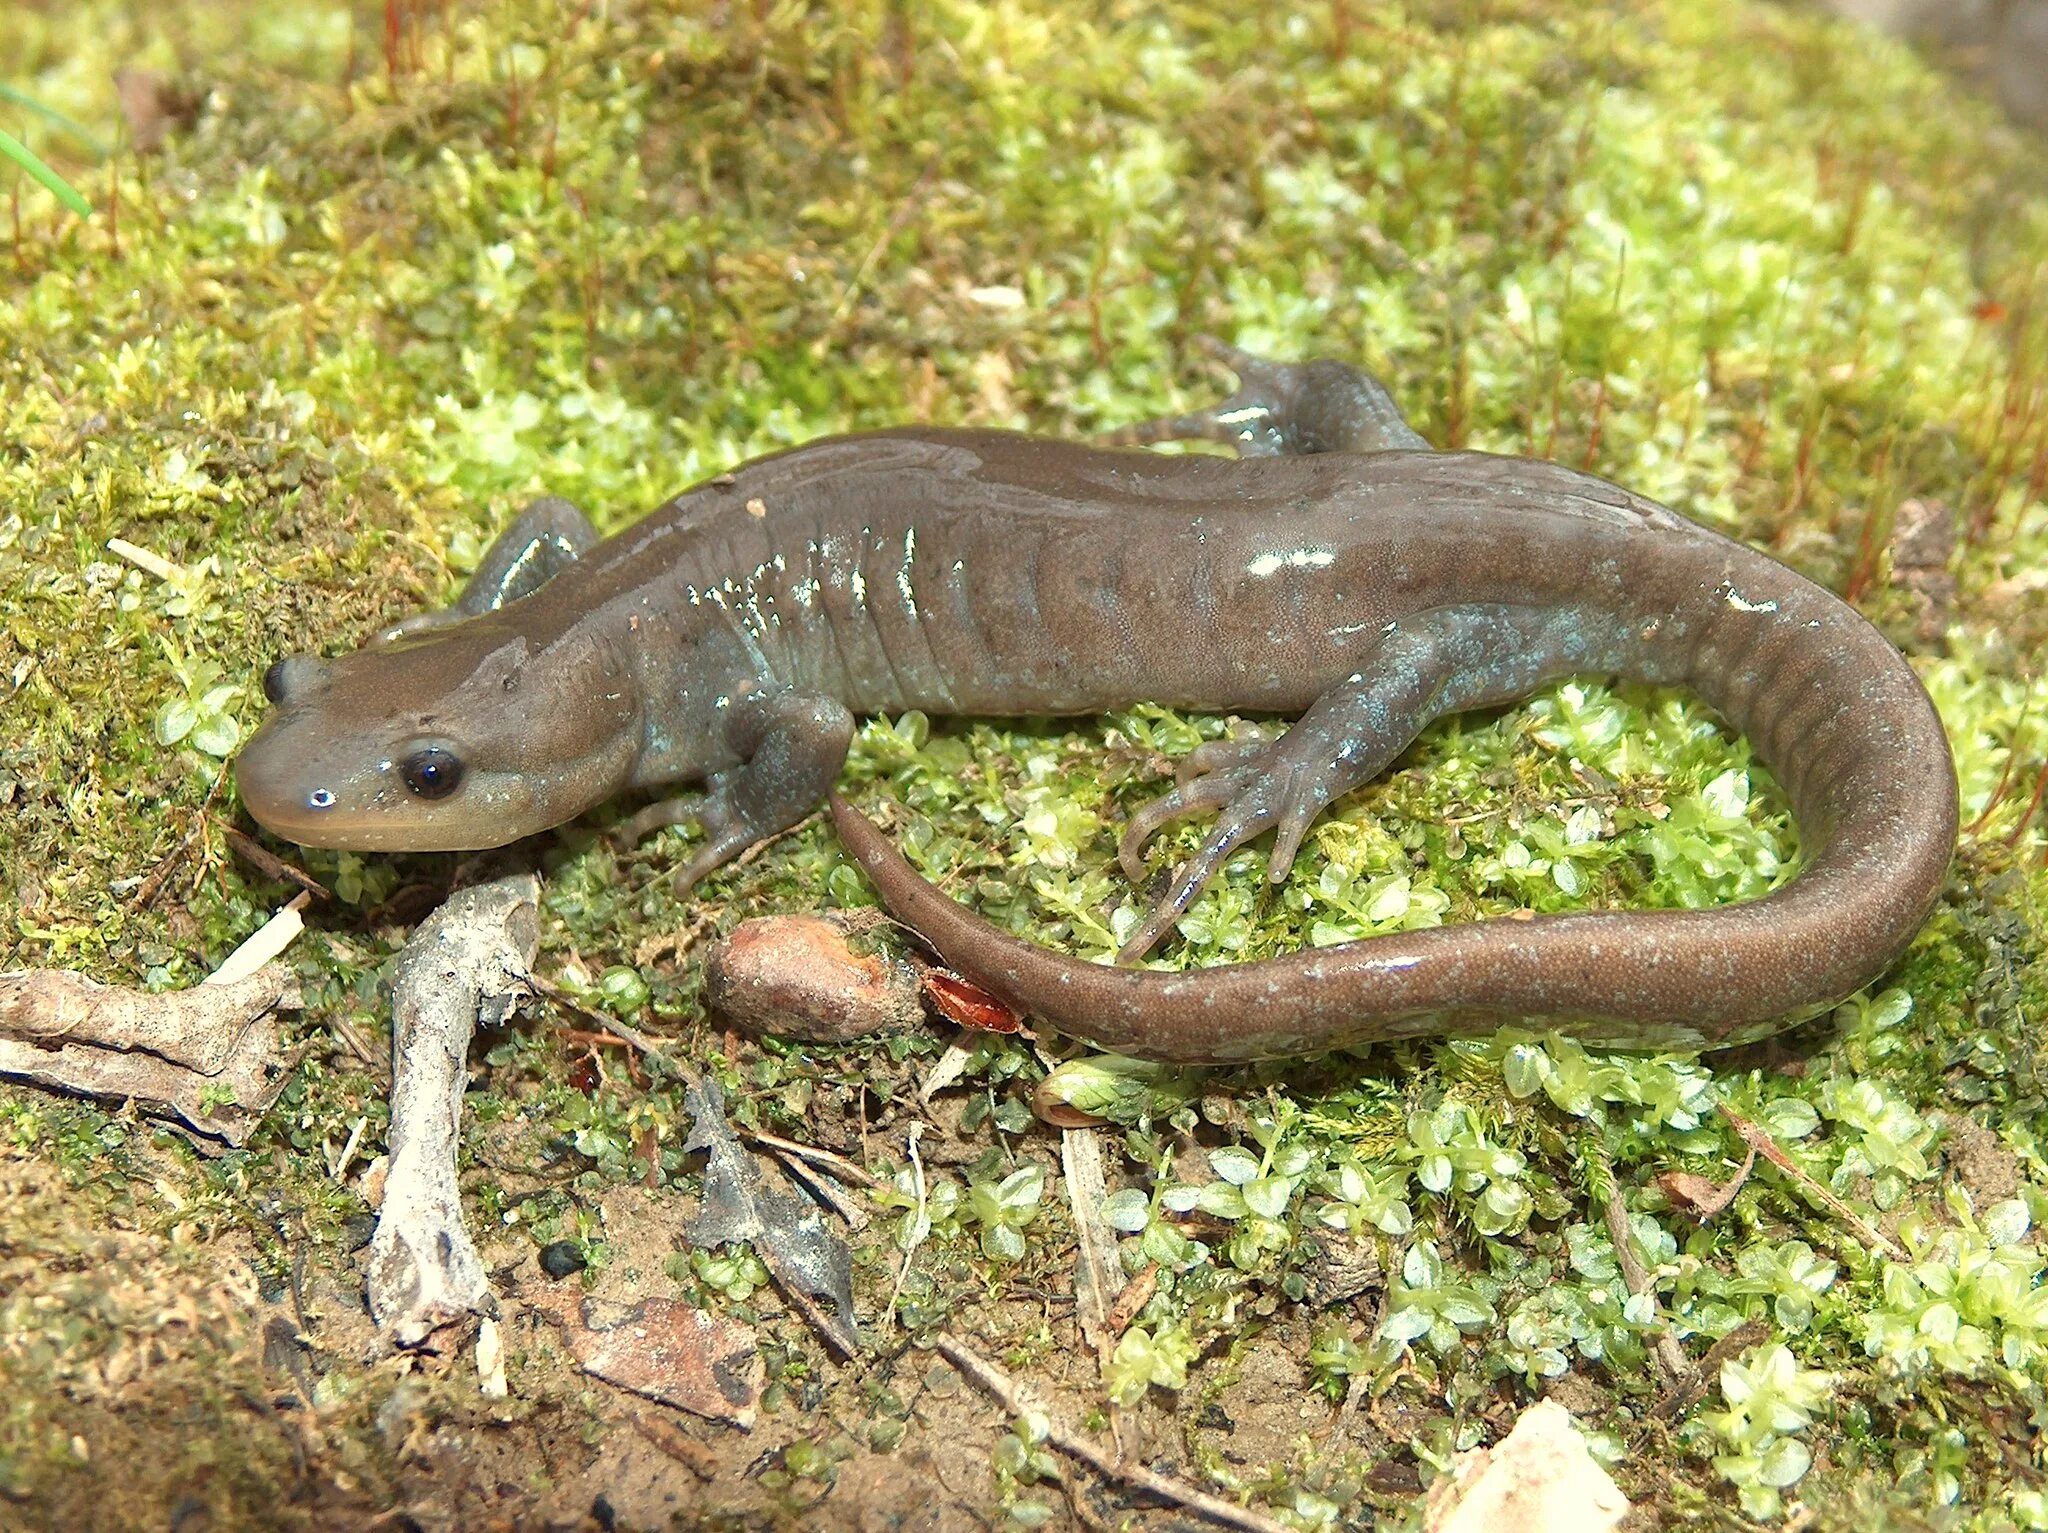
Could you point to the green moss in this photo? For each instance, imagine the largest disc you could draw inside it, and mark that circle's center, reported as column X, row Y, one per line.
column 1768, row 269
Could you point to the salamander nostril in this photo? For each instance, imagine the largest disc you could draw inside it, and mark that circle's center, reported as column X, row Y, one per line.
column 273, row 681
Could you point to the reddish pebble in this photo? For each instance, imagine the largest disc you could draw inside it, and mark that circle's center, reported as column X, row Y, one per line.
column 800, row 977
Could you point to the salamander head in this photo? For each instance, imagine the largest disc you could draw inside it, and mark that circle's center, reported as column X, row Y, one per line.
column 465, row 738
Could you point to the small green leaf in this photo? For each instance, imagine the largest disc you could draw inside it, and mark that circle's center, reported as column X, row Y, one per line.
column 1234, row 1165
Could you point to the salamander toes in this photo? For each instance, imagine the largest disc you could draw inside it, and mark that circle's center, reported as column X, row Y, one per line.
column 1195, row 793
column 1296, row 815
column 1258, row 785
column 1220, row 756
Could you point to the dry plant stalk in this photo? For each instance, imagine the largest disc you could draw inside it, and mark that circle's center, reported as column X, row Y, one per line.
column 467, row 964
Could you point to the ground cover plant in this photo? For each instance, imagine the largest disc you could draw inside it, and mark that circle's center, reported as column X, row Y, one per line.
column 356, row 286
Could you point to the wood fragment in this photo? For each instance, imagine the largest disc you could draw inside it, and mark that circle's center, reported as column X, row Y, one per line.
column 1681, row 1398
column 264, row 944
column 1758, row 1138
column 838, row 1165
column 468, row 963
column 676, row 1443
column 490, row 1360
column 271, row 866
column 822, row 1188
column 199, row 1028
column 1137, row 1293
column 1019, row 1401
column 210, row 1059
column 1670, row 1356
column 1701, row 1196
column 1098, row 1272
column 149, row 562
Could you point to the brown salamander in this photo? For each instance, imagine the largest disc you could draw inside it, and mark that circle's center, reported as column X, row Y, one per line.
column 1336, row 569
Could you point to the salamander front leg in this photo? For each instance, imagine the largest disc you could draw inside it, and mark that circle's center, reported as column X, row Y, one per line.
column 1436, row 662
column 1285, row 408
column 542, row 540
column 793, row 746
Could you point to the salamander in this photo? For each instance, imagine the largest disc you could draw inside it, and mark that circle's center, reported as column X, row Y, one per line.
column 1336, row 569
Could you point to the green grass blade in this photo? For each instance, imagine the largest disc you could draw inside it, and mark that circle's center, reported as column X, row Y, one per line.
column 15, row 150
column 50, row 114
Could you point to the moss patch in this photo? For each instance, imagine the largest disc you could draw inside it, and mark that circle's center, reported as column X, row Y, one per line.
column 379, row 288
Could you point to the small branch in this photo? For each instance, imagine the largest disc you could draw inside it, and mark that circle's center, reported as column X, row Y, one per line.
column 1018, row 1401
column 273, row 867
column 1758, row 1139
column 838, row 1165
column 1669, row 1354
column 1682, row 1396
column 469, row 962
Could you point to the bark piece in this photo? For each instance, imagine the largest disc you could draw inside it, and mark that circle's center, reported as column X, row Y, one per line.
column 200, row 1028
column 467, row 964
column 210, row 1058
column 1098, row 1272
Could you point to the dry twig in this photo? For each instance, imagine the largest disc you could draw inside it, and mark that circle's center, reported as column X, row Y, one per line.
column 1019, row 1401
column 1665, row 1348
column 1754, row 1135
column 467, row 963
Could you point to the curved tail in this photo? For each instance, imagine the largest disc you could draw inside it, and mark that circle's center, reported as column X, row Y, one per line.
column 1834, row 710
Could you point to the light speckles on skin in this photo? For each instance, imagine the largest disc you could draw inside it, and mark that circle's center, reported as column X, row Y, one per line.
column 903, row 574
column 1297, row 558
column 1741, row 603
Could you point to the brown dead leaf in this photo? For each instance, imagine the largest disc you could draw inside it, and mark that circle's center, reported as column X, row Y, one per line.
column 666, row 1351
column 966, row 1003
column 1701, row 1196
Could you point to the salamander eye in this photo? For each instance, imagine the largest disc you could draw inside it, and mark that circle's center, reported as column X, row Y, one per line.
column 432, row 773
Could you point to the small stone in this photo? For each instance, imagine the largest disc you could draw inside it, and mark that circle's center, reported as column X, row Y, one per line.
column 1540, row 1478
column 561, row 1258
column 800, row 976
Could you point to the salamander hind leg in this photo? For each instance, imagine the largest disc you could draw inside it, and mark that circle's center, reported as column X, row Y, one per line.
column 1287, row 408
column 1433, row 663
column 793, row 745
column 543, row 540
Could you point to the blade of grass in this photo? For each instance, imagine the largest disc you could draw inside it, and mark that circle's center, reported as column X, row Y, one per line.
column 50, row 114
column 15, row 150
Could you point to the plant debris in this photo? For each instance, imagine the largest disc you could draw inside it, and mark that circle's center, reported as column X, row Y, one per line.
column 211, row 1059
column 1702, row 1196
column 467, row 964
column 786, row 1230
column 666, row 1351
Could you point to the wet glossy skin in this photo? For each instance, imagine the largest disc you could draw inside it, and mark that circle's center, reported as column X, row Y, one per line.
column 730, row 637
